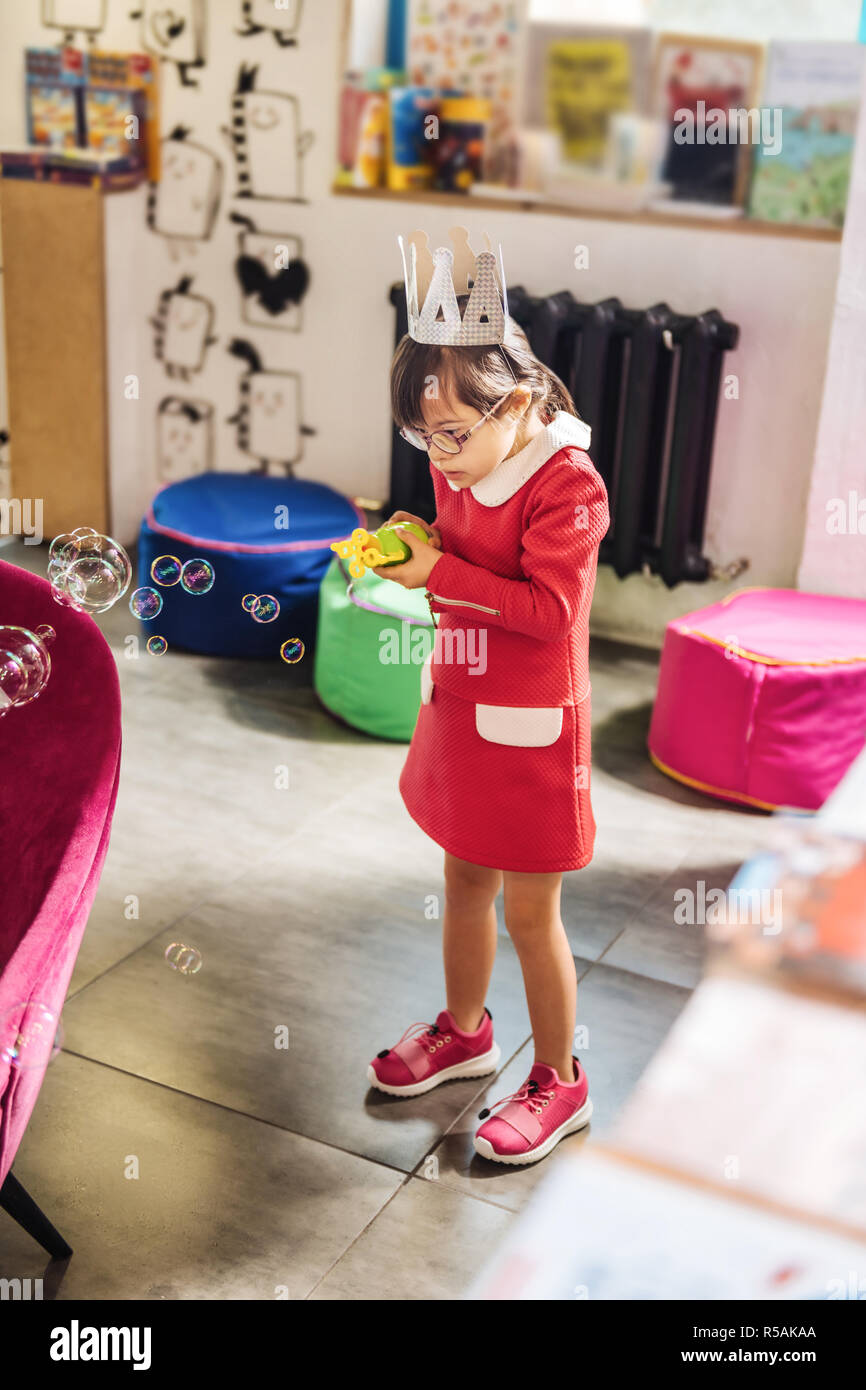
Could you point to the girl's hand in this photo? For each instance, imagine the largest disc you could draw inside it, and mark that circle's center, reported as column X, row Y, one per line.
column 432, row 531
column 414, row 572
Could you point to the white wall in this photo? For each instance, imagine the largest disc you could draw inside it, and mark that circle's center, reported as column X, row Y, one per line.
column 834, row 554
column 779, row 290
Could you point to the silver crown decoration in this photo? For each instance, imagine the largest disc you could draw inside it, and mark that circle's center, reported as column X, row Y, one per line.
column 435, row 280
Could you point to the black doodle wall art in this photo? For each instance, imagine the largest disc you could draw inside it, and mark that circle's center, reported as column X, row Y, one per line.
column 272, row 275
column 281, row 18
column 269, row 415
column 182, row 330
column 183, row 206
column 267, row 141
column 176, row 31
column 184, row 438
column 72, row 16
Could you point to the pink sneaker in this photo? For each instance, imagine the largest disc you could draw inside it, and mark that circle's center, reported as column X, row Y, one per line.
column 441, row 1052
column 536, row 1117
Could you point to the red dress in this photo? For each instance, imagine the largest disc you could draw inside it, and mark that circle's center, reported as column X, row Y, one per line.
column 497, row 772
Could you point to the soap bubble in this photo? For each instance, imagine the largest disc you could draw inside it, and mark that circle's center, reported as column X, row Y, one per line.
column 197, row 576
column 248, row 602
column 25, row 664
column 87, row 570
column 69, row 593
column 157, row 645
column 166, row 570
column 99, row 580
column 267, row 608
column 292, row 650
column 185, row 959
column 30, row 1036
column 145, row 604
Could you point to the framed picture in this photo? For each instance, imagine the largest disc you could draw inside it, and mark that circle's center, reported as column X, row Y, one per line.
column 578, row 76
column 697, row 82
column 813, row 92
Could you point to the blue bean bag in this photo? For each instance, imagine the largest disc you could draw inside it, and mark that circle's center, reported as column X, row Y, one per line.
column 261, row 535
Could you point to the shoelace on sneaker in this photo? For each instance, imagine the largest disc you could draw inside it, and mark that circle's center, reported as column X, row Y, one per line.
column 529, row 1093
column 428, row 1029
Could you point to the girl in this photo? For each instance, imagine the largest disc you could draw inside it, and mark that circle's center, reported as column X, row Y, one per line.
column 498, row 768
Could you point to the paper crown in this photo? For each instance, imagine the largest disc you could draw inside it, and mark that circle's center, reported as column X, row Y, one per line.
column 435, row 280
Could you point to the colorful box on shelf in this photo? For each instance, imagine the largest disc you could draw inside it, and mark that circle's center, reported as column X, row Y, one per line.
column 54, row 83
column 122, row 107
column 363, row 127
column 77, row 167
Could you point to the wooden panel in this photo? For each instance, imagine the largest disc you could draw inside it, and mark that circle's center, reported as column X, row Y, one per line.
column 55, row 349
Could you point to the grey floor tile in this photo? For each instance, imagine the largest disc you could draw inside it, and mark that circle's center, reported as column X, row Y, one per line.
column 224, row 1207
column 429, row 1243
column 344, row 960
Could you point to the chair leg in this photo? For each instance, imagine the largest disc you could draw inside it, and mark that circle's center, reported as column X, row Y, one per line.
column 21, row 1207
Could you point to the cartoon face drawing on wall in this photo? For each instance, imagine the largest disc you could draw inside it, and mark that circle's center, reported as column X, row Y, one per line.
column 88, row 16
column 184, row 438
column 281, row 19
column 267, row 141
column 184, row 204
column 269, row 416
column 174, row 30
column 272, row 275
column 182, row 330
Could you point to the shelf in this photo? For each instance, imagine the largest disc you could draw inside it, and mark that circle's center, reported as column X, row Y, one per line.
column 742, row 226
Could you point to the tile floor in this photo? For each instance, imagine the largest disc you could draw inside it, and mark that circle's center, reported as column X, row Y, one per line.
column 261, row 1169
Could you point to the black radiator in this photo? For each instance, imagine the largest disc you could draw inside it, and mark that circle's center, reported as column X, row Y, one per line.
column 647, row 382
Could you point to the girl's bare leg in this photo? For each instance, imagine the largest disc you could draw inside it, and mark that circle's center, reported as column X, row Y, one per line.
column 469, row 938
column 532, row 916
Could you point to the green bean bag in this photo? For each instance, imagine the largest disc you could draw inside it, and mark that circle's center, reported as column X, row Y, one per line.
column 372, row 640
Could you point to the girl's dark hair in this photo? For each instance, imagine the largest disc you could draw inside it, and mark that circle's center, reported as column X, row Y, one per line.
column 477, row 376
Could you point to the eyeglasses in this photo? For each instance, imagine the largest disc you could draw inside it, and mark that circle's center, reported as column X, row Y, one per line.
column 448, row 441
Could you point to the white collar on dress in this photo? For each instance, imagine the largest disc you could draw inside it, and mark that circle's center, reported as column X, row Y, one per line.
column 510, row 475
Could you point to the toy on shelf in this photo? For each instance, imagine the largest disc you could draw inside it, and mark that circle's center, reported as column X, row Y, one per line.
column 369, row 549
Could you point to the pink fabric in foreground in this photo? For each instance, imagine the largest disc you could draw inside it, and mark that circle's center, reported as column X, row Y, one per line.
column 762, row 697
column 61, row 763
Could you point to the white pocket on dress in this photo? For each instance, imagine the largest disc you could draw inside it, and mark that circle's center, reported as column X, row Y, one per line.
column 427, row 681
column 518, row 726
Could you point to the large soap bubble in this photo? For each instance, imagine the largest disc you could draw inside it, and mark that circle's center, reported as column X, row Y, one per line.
column 88, row 571
column 25, row 664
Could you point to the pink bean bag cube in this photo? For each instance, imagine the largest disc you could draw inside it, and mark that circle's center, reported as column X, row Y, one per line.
column 762, row 697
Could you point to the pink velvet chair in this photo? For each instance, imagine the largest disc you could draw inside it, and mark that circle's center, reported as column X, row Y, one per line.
column 60, row 768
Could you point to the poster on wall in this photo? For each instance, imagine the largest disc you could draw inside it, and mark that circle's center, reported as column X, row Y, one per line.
column 471, row 46
column 578, row 76
column 815, row 88
column 272, row 275
column 696, row 82
column 266, row 17
column 267, row 141
column 184, row 438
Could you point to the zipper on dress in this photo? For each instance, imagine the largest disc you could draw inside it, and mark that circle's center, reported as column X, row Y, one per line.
column 463, row 602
